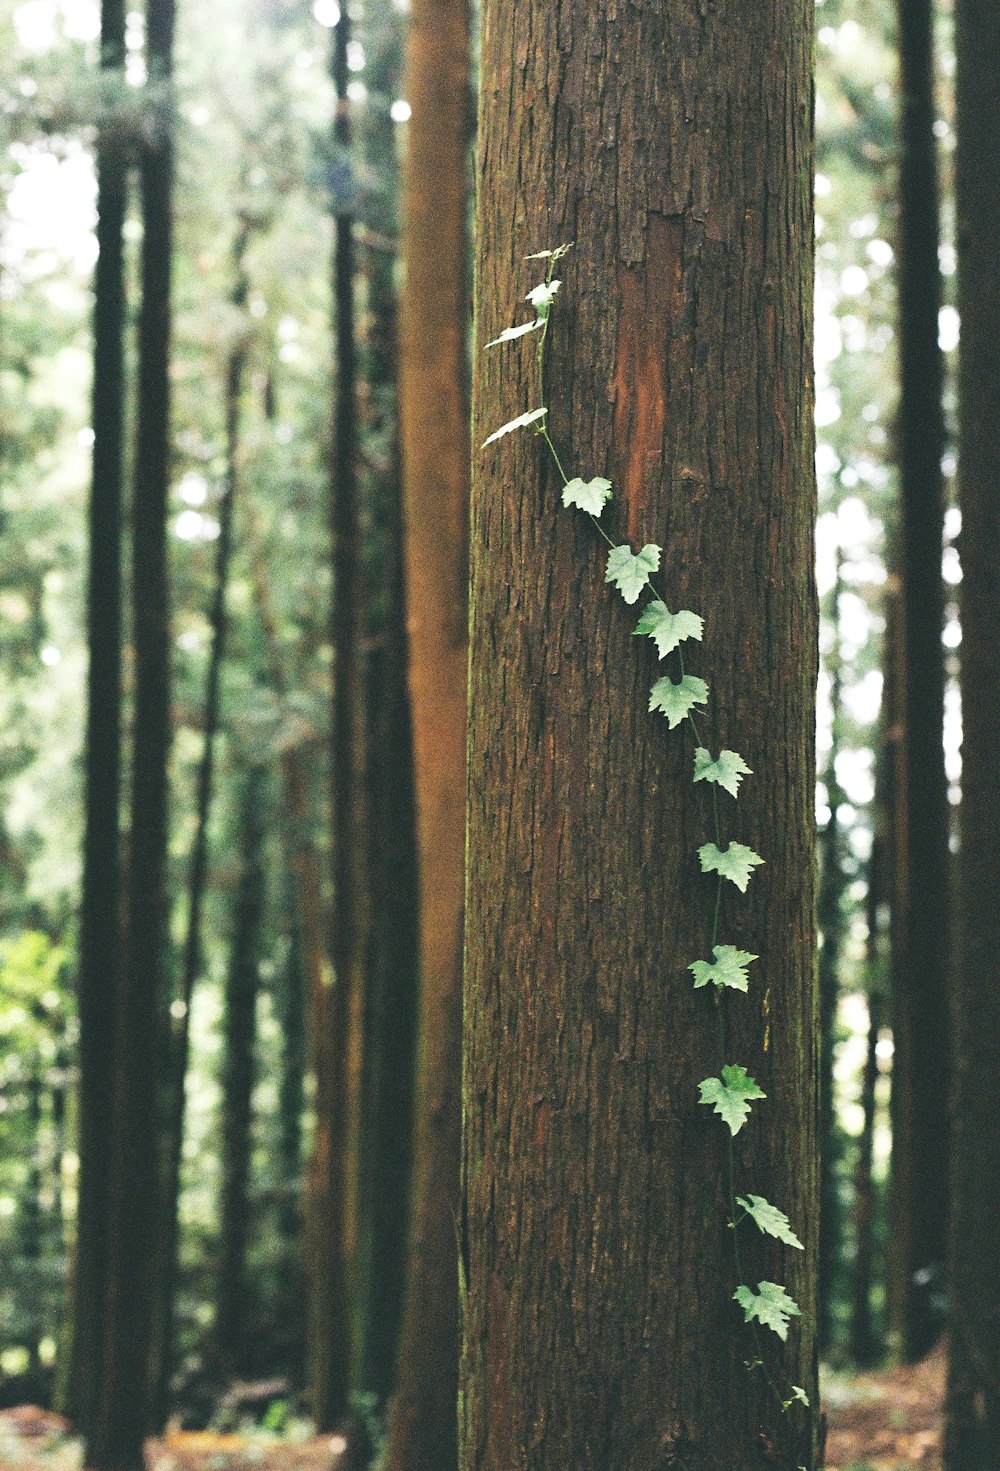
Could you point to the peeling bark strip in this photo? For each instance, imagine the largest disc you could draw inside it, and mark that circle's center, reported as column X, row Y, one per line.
column 673, row 145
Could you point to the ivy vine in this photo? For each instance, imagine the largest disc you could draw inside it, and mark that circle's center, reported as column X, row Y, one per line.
column 730, row 1092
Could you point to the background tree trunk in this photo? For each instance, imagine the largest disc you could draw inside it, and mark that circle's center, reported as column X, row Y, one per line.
column 599, row 1326
column 434, row 422
column 920, row 1022
column 972, row 1440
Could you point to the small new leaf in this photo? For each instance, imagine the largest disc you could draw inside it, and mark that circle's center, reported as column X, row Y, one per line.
column 531, row 417
column 587, row 495
column 798, row 1393
column 677, row 700
column 631, row 573
column 556, row 254
column 770, row 1305
column 730, row 1095
column 668, row 629
column 736, row 863
column 770, row 1219
column 540, row 296
column 726, row 772
column 510, row 333
column 728, row 969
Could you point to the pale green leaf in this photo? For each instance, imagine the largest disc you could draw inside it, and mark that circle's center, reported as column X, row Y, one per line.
column 556, row 254
column 770, row 1305
column 668, row 629
column 726, row 772
column 730, row 1095
column 798, row 1393
column 770, row 1219
column 541, row 295
column 677, row 699
column 728, row 969
column 736, row 863
column 629, row 572
column 531, row 417
column 510, row 333
column 587, row 495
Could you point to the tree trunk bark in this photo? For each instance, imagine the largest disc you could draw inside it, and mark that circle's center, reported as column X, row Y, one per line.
column 99, row 957
column 972, row 1439
column 920, row 1024
column 600, row 1330
column 435, row 444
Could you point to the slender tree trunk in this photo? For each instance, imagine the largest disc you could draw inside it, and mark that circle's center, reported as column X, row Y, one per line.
column 115, row 1442
column 972, row 1438
column 599, row 1326
column 920, row 1024
column 435, row 444
column 829, row 911
column 290, row 1010
column 198, row 871
column 865, row 1347
column 338, row 1018
column 242, row 983
column 99, row 958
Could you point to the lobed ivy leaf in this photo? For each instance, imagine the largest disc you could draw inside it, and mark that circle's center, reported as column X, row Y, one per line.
column 728, row 969
column 668, row 629
column 531, row 417
column 587, row 495
column 770, row 1305
column 770, row 1219
column 540, row 296
column 629, row 572
column 726, row 772
column 677, row 700
column 510, row 333
column 730, row 1095
column 736, row 863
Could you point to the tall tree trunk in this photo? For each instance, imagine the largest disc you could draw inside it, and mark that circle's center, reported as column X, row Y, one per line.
column 599, row 1326
column 435, row 445
column 864, row 1344
column 337, row 1025
column 829, row 912
column 972, row 1438
column 115, row 1442
column 920, row 1022
column 99, row 958
column 240, row 1033
column 290, row 1009
column 198, row 871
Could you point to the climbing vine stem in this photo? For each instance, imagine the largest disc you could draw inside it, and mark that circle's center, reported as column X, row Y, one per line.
column 730, row 1092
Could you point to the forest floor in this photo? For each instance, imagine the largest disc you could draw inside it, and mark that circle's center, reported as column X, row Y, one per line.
column 886, row 1421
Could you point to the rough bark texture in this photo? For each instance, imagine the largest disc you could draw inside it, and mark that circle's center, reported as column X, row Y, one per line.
column 972, row 1440
column 116, row 1441
column 434, row 419
column 100, row 909
column 920, row 1003
column 673, row 145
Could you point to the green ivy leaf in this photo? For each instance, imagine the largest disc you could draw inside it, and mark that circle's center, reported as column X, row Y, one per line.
column 677, row 700
column 540, row 296
column 730, row 1095
column 668, row 629
column 510, row 333
column 631, row 573
column 531, row 417
column 770, row 1219
column 770, row 1305
column 727, row 772
column 587, row 495
column 736, row 863
column 728, row 969
column 798, row 1393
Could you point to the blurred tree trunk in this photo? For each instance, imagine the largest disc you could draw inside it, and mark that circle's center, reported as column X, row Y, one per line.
column 865, row 1346
column 435, row 446
column 830, row 916
column 115, row 1440
column 972, row 1438
column 599, row 1327
column 198, row 870
column 290, row 1010
column 240, row 1030
column 337, row 1013
column 920, row 1001
column 99, row 957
